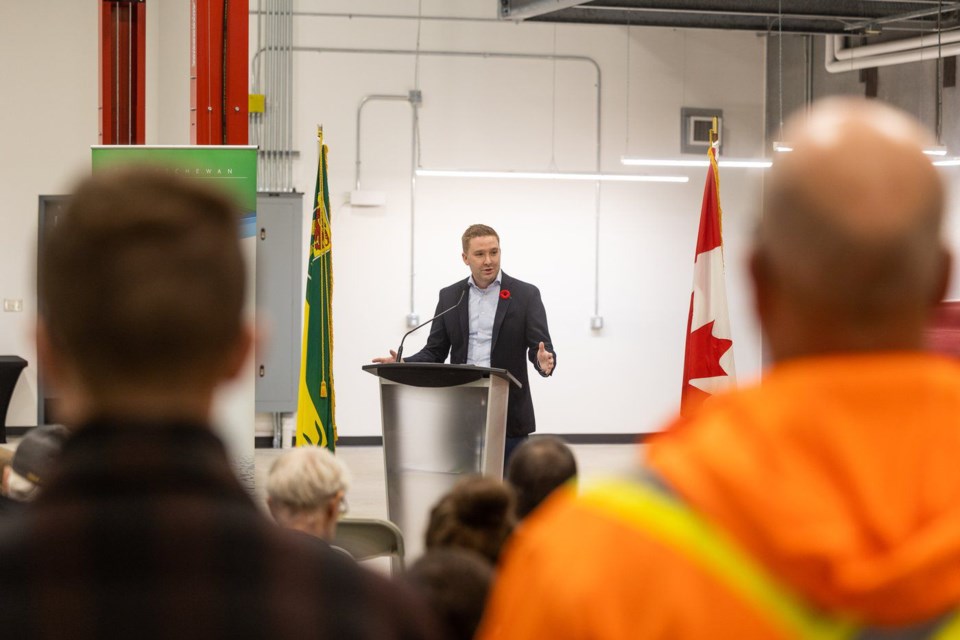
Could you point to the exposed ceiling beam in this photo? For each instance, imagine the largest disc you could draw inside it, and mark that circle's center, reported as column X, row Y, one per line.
column 695, row 20
column 912, row 15
column 526, row 9
column 788, row 16
column 593, row 6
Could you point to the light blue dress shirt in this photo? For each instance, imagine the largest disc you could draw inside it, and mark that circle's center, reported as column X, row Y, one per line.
column 482, row 309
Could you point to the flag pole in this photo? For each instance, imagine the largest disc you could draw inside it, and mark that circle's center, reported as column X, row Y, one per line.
column 708, row 366
column 316, row 404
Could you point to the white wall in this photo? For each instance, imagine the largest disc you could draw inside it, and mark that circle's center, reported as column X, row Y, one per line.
column 479, row 113
column 503, row 114
column 168, row 72
column 48, row 73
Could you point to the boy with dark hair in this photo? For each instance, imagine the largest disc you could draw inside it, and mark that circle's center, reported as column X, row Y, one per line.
column 145, row 531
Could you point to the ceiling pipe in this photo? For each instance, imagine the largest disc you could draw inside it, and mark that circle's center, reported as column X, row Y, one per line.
column 834, row 45
column 893, row 46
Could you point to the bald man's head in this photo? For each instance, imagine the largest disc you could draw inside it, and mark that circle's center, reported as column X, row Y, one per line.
column 849, row 255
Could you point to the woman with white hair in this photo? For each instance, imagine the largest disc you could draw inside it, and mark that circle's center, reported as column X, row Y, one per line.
column 306, row 490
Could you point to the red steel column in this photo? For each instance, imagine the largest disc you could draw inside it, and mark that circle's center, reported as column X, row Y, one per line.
column 122, row 71
column 219, row 31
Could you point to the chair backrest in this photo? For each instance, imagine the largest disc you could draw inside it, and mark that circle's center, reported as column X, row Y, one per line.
column 366, row 538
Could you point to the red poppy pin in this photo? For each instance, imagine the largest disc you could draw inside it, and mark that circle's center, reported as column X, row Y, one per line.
column 505, row 294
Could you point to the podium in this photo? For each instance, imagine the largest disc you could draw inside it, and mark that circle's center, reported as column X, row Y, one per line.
column 440, row 422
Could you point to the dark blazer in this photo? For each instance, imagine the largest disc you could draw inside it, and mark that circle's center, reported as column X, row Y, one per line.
column 144, row 532
column 519, row 326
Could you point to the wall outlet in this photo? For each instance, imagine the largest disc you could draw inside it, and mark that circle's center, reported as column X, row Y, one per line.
column 12, row 305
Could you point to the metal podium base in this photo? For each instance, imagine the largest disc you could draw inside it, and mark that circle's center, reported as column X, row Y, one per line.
column 438, row 426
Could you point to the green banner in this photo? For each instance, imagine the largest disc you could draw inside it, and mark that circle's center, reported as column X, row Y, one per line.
column 233, row 169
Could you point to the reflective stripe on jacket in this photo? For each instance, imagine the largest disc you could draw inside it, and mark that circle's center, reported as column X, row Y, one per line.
column 649, row 506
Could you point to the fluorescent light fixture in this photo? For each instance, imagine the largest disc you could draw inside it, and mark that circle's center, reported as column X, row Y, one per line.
column 950, row 162
column 723, row 162
column 654, row 162
column 547, row 175
column 746, row 164
column 784, row 147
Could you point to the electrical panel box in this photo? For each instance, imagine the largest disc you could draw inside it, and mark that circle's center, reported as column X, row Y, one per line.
column 281, row 255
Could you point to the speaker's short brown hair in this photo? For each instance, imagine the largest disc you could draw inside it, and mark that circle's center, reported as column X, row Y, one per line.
column 142, row 280
column 477, row 231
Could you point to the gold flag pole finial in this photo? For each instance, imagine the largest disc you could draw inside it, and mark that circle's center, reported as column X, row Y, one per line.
column 714, row 139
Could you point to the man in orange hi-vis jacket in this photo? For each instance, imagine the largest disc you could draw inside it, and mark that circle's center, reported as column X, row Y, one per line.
column 824, row 503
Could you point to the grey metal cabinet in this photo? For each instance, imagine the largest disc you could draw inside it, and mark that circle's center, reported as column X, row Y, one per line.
column 281, row 253
column 280, row 257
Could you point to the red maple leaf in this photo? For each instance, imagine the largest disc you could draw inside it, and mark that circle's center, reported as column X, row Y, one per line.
column 702, row 360
column 703, row 354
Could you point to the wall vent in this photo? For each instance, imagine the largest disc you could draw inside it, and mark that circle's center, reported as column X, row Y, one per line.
column 695, row 126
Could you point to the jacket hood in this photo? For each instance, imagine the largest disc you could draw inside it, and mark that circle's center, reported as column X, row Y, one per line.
column 840, row 474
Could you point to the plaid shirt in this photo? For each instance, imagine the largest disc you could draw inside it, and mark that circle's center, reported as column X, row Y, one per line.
column 144, row 532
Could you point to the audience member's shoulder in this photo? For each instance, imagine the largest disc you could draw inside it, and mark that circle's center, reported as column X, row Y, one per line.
column 563, row 508
column 362, row 604
column 15, row 541
column 9, row 508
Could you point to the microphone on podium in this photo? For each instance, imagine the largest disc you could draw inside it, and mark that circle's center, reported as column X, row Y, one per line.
column 463, row 291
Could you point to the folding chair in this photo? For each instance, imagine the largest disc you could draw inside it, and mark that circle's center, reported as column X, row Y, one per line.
column 366, row 538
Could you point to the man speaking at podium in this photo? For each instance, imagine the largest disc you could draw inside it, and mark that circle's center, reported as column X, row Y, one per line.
column 496, row 321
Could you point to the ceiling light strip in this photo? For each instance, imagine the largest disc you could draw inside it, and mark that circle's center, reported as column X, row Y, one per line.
column 741, row 163
column 547, row 175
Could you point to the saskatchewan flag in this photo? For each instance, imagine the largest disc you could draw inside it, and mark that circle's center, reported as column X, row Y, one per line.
column 316, row 425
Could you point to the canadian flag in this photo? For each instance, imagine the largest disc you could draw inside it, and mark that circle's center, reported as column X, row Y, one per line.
column 708, row 360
